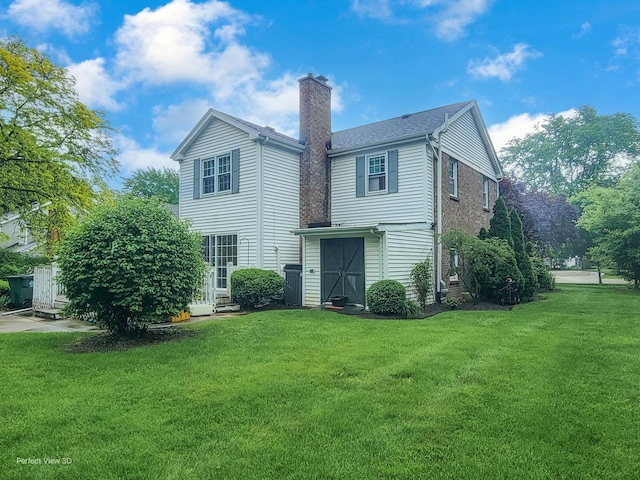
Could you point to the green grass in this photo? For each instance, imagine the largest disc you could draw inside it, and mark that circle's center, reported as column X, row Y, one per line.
column 550, row 389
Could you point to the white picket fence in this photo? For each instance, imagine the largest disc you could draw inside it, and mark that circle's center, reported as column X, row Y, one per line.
column 47, row 292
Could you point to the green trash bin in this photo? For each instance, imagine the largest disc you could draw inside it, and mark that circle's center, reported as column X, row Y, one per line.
column 21, row 290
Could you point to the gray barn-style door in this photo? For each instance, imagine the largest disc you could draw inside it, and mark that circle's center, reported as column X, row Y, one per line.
column 342, row 269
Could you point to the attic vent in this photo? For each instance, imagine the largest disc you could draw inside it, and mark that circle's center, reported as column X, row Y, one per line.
column 406, row 115
column 271, row 129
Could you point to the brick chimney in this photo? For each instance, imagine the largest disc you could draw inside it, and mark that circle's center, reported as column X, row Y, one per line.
column 315, row 132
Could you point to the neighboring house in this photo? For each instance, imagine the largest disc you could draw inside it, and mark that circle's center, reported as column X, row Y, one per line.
column 367, row 203
column 18, row 237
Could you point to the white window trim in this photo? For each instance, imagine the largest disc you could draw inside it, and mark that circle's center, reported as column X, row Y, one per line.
column 485, row 193
column 386, row 173
column 216, row 175
column 213, row 256
column 453, row 176
column 456, row 262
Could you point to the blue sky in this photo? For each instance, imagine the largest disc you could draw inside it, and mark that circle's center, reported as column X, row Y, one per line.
column 155, row 67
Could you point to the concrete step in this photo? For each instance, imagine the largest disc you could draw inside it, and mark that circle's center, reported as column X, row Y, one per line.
column 48, row 313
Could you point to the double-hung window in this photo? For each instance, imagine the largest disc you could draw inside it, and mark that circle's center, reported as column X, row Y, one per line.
column 216, row 174
column 219, row 251
column 453, row 178
column 377, row 173
column 485, row 193
column 453, row 265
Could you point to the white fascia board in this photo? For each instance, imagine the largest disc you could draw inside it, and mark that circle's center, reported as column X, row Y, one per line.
column 334, row 231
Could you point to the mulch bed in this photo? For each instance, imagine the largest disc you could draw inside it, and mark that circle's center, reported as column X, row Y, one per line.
column 107, row 342
column 430, row 311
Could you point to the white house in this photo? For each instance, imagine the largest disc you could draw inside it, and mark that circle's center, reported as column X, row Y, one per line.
column 239, row 188
column 353, row 207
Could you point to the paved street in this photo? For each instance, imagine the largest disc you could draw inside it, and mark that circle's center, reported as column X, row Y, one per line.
column 587, row 277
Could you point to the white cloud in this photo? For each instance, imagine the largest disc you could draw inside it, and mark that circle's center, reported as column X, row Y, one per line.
column 519, row 126
column 450, row 18
column 457, row 15
column 174, row 43
column 95, row 87
column 173, row 123
column 377, row 9
column 584, row 29
column 45, row 15
column 274, row 103
column 505, row 65
column 133, row 156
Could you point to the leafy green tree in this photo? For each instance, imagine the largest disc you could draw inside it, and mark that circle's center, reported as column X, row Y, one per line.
column 612, row 217
column 567, row 155
column 153, row 182
column 483, row 265
column 54, row 151
column 500, row 223
column 530, row 281
column 130, row 264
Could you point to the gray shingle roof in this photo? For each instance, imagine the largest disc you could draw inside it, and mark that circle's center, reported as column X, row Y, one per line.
column 266, row 131
column 406, row 125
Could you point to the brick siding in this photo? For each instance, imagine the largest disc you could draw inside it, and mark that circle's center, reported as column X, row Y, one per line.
column 315, row 131
column 465, row 212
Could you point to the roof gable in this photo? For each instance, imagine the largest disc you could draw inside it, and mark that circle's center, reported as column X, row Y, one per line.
column 255, row 132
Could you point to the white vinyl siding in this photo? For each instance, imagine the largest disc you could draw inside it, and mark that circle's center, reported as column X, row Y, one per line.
column 411, row 203
column 223, row 214
column 404, row 250
column 281, row 212
column 463, row 142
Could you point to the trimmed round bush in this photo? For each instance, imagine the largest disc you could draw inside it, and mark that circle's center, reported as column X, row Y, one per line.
column 254, row 287
column 387, row 297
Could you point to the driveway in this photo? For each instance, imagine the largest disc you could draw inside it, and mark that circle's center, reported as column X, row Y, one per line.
column 30, row 323
column 583, row 276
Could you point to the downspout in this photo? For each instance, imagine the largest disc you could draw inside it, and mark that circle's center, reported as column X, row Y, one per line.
column 260, row 202
column 441, row 286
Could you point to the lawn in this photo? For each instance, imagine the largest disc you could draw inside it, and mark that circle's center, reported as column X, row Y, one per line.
column 550, row 389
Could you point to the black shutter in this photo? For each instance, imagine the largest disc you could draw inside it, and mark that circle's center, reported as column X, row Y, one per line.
column 235, row 170
column 360, row 177
column 392, row 186
column 196, row 178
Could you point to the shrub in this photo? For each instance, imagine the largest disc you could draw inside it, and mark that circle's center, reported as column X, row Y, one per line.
column 254, row 288
column 14, row 263
column 422, row 278
column 452, row 303
column 412, row 309
column 484, row 265
column 130, row 264
column 387, row 297
column 546, row 280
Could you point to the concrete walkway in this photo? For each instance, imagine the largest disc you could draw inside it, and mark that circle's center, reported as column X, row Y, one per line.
column 30, row 323
column 584, row 277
